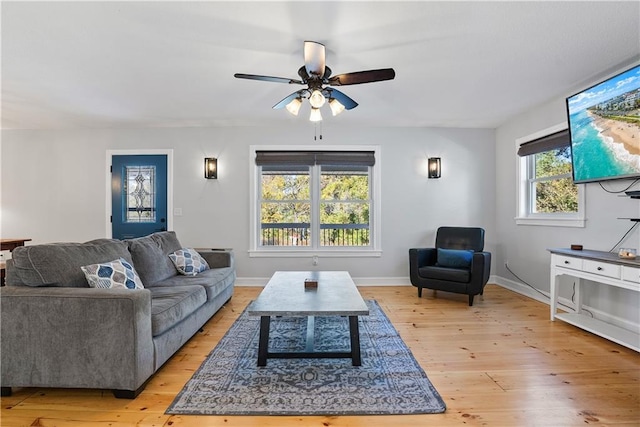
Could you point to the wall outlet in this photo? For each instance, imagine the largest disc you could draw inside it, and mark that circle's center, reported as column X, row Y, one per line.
column 315, row 260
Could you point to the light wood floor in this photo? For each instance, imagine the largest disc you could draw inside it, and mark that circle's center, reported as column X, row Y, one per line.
column 498, row 363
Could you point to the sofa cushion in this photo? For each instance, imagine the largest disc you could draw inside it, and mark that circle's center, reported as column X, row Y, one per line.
column 150, row 256
column 214, row 281
column 114, row 274
column 445, row 273
column 58, row 264
column 454, row 258
column 188, row 262
column 171, row 305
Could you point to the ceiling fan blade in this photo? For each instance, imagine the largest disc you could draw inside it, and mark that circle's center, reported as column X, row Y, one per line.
column 288, row 99
column 302, row 72
column 359, row 77
column 267, row 78
column 342, row 98
column 314, row 58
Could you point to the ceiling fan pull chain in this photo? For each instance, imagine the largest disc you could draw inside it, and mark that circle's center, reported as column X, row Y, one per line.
column 315, row 131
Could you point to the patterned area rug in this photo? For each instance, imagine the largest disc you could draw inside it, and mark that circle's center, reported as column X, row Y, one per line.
column 390, row 381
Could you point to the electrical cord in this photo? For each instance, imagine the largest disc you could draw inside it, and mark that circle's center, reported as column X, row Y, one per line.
column 621, row 191
column 635, row 224
column 543, row 294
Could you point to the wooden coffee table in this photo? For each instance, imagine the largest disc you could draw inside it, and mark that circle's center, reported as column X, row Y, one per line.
column 285, row 295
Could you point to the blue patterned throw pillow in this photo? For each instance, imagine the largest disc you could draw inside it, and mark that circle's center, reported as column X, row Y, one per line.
column 114, row 274
column 188, row 261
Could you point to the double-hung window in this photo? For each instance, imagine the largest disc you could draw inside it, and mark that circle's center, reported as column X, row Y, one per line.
column 319, row 201
column 547, row 194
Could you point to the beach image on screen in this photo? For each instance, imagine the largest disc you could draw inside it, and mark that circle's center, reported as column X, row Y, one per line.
column 604, row 123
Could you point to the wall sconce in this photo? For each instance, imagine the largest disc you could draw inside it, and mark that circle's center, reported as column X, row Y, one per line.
column 211, row 168
column 434, row 167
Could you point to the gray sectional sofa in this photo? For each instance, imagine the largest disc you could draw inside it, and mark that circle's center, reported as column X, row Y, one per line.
column 56, row 331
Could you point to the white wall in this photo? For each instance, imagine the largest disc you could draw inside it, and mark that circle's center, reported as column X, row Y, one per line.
column 525, row 247
column 53, row 187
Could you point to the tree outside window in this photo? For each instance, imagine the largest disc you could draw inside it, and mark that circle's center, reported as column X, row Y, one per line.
column 552, row 187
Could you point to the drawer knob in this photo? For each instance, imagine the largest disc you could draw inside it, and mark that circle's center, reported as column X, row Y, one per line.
column 567, row 262
column 599, row 268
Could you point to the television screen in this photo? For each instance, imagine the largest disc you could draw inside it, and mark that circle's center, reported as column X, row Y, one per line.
column 604, row 125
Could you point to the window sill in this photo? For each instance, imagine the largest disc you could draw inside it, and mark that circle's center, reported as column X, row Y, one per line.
column 321, row 253
column 551, row 222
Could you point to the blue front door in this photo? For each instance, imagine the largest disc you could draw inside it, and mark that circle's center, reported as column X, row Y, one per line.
column 138, row 195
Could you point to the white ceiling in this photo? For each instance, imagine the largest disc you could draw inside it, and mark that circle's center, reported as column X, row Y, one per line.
column 171, row 64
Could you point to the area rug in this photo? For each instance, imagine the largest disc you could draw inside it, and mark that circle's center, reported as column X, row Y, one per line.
column 390, row 381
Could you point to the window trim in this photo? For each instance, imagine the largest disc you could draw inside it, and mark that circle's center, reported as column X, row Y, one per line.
column 523, row 199
column 375, row 250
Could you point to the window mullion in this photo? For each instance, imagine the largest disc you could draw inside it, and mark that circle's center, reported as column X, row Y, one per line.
column 315, row 206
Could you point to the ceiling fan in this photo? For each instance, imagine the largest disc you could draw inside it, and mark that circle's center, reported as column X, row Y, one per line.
column 317, row 76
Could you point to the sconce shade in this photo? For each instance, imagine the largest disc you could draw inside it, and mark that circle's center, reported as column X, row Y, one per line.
column 211, row 168
column 434, row 167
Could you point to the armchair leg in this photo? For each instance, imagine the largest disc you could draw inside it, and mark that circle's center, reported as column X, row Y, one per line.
column 419, row 292
column 470, row 300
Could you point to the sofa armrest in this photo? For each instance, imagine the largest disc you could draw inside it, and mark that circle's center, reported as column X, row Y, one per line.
column 217, row 258
column 75, row 337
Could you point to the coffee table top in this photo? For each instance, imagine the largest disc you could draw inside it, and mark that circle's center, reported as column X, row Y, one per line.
column 285, row 295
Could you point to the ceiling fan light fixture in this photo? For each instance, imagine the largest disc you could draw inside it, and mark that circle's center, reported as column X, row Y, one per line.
column 336, row 106
column 316, row 99
column 315, row 115
column 294, row 106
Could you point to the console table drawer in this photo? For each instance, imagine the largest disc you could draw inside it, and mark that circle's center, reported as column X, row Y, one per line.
column 631, row 274
column 567, row 262
column 602, row 268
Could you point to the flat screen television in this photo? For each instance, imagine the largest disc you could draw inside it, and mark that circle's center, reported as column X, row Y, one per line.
column 604, row 127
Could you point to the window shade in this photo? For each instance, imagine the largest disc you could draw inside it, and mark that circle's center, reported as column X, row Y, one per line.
column 546, row 143
column 310, row 158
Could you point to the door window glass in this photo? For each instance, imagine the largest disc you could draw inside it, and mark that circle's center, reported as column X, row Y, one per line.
column 140, row 194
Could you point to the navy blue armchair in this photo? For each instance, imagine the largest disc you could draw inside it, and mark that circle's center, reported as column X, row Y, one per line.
column 457, row 263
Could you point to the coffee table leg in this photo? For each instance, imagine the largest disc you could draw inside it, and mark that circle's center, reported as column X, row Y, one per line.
column 354, row 332
column 263, row 345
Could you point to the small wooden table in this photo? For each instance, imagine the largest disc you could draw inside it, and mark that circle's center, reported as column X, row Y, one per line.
column 9, row 245
column 285, row 295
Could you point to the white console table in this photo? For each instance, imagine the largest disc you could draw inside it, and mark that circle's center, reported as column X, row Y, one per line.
column 602, row 267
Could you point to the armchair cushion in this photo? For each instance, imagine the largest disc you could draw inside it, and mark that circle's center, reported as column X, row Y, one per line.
column 454, row 258
column 445, row 273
